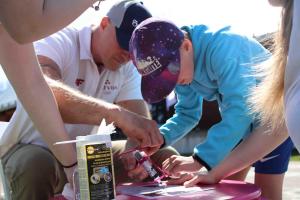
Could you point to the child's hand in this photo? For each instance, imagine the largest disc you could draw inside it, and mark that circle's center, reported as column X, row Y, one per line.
column 191, row 179
column 177, row 164
column 201, row 177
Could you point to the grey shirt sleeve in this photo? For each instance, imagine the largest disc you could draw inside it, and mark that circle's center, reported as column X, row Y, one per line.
column 292, row 80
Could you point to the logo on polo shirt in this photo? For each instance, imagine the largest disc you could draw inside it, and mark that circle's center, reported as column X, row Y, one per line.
column 79, row 81
column 108, row 86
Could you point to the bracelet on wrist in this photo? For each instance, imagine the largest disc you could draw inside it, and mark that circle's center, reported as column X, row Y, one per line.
column 69, row 166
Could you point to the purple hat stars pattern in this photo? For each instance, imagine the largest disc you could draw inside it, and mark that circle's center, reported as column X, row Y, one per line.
column 154, row 47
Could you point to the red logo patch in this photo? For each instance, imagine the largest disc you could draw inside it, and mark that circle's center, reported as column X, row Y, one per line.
column 79, row 81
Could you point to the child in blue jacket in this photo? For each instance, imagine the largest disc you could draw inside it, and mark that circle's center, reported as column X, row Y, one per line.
column 200, row 63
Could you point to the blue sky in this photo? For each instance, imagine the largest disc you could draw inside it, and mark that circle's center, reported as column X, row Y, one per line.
column 251, row 17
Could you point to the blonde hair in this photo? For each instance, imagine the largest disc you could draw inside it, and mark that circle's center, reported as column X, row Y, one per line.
column 267, row 98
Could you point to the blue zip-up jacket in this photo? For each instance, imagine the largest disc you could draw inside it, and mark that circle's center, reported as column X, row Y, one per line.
column 223, row 65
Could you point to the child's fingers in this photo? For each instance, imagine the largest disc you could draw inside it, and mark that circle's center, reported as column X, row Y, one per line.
column 178, row 181
column 200, row 177
column 195, row 180
column 174, row 165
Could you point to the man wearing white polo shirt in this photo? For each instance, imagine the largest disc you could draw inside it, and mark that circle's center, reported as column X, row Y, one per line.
column 89, row 72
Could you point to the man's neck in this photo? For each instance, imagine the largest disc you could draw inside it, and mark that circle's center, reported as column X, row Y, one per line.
column 94, row 41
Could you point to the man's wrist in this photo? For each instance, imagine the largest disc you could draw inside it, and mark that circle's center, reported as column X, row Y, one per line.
column 65, row 154
column 114, row 114
column 69, row 166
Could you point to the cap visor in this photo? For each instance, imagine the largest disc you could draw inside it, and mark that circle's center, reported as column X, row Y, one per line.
column 123, row 39
column 157, row 87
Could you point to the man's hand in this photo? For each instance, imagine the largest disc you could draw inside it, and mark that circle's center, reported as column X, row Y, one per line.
column 136, row 172
column 177, row 164
column 141, row 129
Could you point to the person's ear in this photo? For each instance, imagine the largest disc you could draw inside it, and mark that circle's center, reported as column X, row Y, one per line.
column 187, row 45
column 187, row 48
column 186, row 74
column 104, row 22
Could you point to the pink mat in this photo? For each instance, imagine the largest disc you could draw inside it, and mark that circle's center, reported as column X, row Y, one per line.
column 226, row 189
column 58, row 197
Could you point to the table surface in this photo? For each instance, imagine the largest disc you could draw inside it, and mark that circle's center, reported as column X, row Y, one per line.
column 226, row 189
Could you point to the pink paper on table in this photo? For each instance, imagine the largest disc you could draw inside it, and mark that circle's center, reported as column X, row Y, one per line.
column 226, row 189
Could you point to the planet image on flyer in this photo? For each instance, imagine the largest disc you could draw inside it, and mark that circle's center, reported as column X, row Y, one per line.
column 95, row 178
column 107, row 177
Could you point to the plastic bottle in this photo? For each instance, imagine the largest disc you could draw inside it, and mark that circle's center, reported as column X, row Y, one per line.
column 95, row 167
column 76, row 187
column 143, row 160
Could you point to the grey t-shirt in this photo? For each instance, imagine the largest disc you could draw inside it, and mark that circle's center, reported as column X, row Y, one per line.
column 292, row 80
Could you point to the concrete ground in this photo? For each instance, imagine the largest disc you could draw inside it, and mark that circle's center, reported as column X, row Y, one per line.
column 291, row 187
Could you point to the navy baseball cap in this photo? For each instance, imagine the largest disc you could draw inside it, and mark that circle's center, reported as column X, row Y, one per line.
column 125, row 15
column 154, row 48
